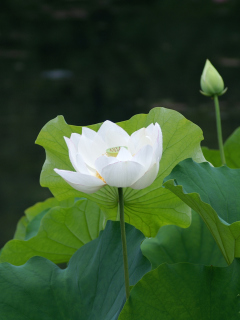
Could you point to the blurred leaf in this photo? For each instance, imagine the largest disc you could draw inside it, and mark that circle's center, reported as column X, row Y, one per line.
column 39, row 207
column 34, row 225
column 146, row 209
column 20, row 232
column 26, row 228
column 185, row 291
column 173, row 244
column 214, row 194
column 62, row 231
column 231, row 150
column 91, row 287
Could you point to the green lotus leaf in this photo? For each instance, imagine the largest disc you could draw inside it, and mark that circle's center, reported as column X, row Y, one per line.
column 62, row 230
column 49, row 203
column 186, row 291
column 20, row 232
column 146, row 209
column 29, row 224
column 231, row 151
column 173, row 244
column 214, row 194
column 91, row 287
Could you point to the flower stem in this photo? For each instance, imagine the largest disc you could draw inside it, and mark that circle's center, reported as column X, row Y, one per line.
column 219, row 129
column 124, row 241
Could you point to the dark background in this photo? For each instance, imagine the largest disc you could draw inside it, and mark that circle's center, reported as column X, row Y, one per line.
column 98, row 60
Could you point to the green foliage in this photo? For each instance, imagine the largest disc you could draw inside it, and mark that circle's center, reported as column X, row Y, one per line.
column 91, row 287
column 39, row 207
column 29, row 224
column 174, row 244
column 71, row 228
column 186, row 292
column 20, row 232
column 146, row 209
column 231, row 150
column 214, row 194
column 57, row 233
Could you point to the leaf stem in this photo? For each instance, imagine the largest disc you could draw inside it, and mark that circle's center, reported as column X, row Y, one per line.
column 124, row 241
column 219, row 129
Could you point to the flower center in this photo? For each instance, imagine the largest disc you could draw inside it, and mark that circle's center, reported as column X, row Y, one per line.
column 100, row 177
column 113, row 152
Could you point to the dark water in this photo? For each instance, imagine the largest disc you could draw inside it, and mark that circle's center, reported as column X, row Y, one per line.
column 107, row 60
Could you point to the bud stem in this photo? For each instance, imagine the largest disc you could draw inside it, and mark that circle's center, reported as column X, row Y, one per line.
column 124, row 241
column 219, row 129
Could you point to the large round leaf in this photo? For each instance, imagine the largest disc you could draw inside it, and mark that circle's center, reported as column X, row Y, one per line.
column 91, row 287
column 173, row 244
column 186, row 292
column 231, row 151
column 146, row 209
column 61, row 232
column 215, row 194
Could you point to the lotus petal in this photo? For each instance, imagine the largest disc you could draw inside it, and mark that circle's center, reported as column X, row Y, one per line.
column 147, row 178
column 81, row 182
column 122, row 174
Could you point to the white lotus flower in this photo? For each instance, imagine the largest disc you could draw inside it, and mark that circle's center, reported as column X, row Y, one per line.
column 112, row 157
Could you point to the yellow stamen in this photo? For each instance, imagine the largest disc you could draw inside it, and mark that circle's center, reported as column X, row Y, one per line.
column 100, row 177
column 113, row 152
